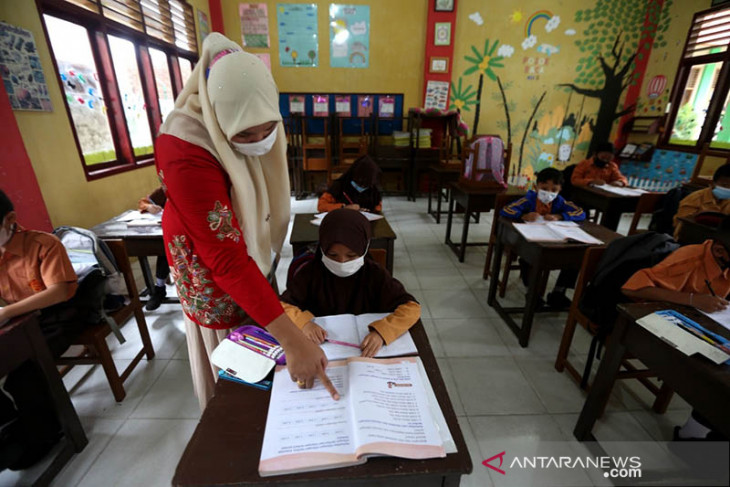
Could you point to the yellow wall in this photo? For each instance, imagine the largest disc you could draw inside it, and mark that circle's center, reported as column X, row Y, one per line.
column 397, row 37
column 48, row 138
column 506, row 22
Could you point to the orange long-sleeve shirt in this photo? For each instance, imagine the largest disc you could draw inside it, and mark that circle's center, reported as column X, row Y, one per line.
column 698, row 202
column 586, row 171
column 327, row 202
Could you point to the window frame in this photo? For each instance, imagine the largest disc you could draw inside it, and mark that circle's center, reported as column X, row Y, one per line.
column 98, row 28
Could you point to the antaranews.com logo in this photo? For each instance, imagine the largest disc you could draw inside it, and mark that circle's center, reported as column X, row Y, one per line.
column 613, row 467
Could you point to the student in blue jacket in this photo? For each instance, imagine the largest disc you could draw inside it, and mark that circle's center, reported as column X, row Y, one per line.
column 545, row 204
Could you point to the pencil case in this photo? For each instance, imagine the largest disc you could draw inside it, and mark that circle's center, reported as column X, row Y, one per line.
column 248, row 353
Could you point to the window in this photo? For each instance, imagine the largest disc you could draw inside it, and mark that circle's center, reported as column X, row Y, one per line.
column 121, row 64
column 697, row 115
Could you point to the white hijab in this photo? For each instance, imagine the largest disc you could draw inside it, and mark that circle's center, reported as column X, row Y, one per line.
column 226, row 94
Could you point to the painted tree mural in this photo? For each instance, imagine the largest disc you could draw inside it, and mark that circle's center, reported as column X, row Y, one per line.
column 617, row 35
column 483, row 62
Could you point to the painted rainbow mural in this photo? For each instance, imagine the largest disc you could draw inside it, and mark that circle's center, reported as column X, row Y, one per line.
column 540, row 14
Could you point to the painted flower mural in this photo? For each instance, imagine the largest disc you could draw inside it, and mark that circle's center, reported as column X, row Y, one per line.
column 485, row 61
column 462, row 97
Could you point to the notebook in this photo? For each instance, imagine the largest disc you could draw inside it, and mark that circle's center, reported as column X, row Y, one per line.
column 555, row 232
column 346, row 332
column 620, row 191
column 386, row 407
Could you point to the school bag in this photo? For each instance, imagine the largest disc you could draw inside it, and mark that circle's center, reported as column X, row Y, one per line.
column 567, row 189
column 98, row 275
column 484, row 162
column 623, row 257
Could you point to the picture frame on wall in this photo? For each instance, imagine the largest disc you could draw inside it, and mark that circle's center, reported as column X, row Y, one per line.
column 443, row 6
column 438, row 65
column 442, row 34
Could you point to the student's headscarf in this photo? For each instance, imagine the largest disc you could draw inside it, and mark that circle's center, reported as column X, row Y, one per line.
column 369, row 290
column 365, row 173
column 228, row 92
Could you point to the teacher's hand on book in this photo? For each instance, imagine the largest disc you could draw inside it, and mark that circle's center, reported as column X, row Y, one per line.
column 305, row 360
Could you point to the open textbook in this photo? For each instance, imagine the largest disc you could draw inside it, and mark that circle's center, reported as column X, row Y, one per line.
column 555, row 232
column 386, row 407
column 346, row 332
column 623, row 191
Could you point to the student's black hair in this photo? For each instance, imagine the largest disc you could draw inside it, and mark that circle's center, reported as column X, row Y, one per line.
column 604, row 147
column 550, row 174
column 6, row 206
column 722, row 172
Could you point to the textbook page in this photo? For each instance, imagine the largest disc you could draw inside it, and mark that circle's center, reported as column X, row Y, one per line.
column 538, row 233
column 620, row 190
column 306, row 429
column 366, row 214
column 351, row 330
column 391, row 411
column 578, row 234
column 722, row 317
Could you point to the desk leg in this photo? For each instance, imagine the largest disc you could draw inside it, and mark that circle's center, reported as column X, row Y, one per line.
column 389, row 256
column 465, row 231
column 439, row 187
column 611, row 219
column 533, row 295
column 449, row 219
column 603, row 384
column 66, row 413
column 430, row 191
column 496, row 261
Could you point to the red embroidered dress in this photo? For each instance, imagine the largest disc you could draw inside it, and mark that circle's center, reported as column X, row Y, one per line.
column 214, row 275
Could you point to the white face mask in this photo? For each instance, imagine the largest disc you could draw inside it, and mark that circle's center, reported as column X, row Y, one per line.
column 546, row 197
column 343, row 269
column 259, row 148
column 6, row 234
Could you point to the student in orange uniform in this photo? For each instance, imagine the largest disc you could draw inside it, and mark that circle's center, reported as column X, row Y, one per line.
column 35, row 273
column 715, row 198
column 693, row 275
column 600, row 169
column 357, row 189
column 545, row 203
column 342, row 278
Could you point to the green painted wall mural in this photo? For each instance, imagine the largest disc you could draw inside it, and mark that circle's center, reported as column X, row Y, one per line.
column 553, row 81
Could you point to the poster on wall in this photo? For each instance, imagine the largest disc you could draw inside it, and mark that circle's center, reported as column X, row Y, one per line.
column 265, row 57
column 254, row 24
column 203, row 27
column 21, row 70
column 349, row 36
column 437, row 94
column 364, row 105
column 342, row 105
column 320, row 105
column 386, row 106
column 296, row 104
column 297, row 34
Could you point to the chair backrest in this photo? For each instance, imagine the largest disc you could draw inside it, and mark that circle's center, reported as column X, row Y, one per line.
column 648, row 203
column 502, row 200
column 587, row 271
column 379, row 256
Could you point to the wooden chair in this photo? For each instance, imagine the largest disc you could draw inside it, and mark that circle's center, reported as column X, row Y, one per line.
column 575, row 316
column 379, row 256
column 316, row 147
column 349, row 147
column 93, row 339
column 502, row 200
column 648, row 203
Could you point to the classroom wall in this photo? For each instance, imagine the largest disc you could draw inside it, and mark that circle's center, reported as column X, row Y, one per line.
column 397, row 39
column 48, row 138
column 551, row 123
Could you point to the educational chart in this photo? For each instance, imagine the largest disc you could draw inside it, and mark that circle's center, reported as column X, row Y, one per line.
column 298, row 45
column 349, row 36
column 203, row 26
column 21, row 70
column 254, row 24
column 437, row 94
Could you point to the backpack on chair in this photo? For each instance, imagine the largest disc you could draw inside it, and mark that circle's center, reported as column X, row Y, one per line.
column 98, row 274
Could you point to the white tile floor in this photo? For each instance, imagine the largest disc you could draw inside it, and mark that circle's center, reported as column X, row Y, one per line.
column 505, row 396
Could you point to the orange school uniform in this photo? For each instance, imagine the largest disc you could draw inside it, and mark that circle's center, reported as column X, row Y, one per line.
column 684, row 270
column 698, row 202
column 33, row 261
column 586, row 171
column 327, row 202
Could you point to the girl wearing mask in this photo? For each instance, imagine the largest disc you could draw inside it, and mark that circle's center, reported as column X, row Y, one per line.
column 342, row 278
column 356, row 189
column 221, row 159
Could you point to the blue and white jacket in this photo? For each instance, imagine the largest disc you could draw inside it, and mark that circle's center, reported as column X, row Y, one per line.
column 529, row 203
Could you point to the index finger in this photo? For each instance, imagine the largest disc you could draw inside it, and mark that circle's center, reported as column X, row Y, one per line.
column 327, row 383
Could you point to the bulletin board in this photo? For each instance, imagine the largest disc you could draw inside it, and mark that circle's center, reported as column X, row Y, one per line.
column 668, row 167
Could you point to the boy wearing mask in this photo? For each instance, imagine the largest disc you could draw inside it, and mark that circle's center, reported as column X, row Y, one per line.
column 715, row 198
column 599, row 170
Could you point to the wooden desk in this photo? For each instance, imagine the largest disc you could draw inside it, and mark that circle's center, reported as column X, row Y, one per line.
column 692, row 232
column 473, row 200
column 610, row 204
column 20, row 340
column 140, row 242
column 439, row 176
column 542, row 257
column 701, row 383
column 303, row 233
column 226, row 446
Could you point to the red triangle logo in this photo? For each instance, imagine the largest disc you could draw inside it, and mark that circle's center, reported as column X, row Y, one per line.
column 487, row 464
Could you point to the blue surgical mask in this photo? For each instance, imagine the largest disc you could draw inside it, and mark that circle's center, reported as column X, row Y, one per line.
column 359, row 188
column 721, row 193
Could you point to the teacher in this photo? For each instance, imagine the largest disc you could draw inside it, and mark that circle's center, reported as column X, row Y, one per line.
column 221, row 159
